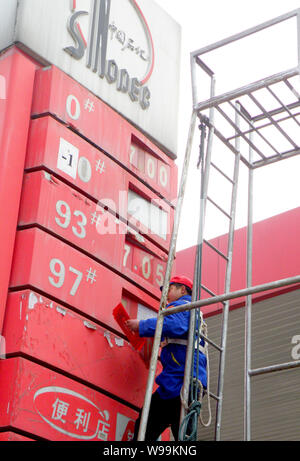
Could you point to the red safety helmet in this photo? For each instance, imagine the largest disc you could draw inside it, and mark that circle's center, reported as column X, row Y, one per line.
column 182, row 280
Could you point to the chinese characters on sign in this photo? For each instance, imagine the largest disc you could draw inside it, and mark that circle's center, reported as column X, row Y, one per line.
column 126, row 42
column 80, row 419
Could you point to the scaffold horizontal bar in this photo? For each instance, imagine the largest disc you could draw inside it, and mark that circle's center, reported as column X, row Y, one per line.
column 277, row 158
column 216, row 100
column 235, row 294
column 219, row 208
column 253, row 128
column 212, row 343
column 215, row 397
column 216, row 249
column 253, row 146
column 278, row 110
column 273, row 368
column 221, row 172
column 204, row 67
column 246, row 33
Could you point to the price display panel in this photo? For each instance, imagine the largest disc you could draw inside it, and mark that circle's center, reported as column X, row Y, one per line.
column 146, row 265
column 66, row 155
column 61, row 272
column 53, row 206
column 58, row 94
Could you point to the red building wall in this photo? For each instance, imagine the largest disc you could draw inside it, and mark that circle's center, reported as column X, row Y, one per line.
column 276, row 255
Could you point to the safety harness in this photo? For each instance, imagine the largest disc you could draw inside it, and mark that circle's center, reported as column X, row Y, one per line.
column 184, row 342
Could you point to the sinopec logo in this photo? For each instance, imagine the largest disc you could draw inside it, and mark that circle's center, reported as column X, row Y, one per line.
column 115, row 40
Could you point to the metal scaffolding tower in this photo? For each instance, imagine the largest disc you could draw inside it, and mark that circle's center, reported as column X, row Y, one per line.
column 252, row 128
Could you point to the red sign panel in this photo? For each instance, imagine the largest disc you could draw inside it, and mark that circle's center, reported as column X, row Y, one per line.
column 58, row 94
column 38, row 327
column 43, row 262
column 147, row 267
column 12, row 437
column 16, row 87
column 51, row 204
column 49, row 405
column 59, row 150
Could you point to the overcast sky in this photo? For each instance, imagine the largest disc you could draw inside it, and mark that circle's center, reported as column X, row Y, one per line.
column 276, row 188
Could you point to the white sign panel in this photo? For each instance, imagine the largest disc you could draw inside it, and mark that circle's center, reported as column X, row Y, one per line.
column 127, row 52
column 8, row 11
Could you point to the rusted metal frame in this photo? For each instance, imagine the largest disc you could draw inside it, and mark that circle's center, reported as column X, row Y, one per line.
column 273, row 159
column 240, row 133
column 285, row 107
column 258, row 85
column 251, row 130
column 228, row 144
column 265, row 125
column 274, row 122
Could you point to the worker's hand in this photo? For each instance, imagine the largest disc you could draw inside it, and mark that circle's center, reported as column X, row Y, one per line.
column 133, row 324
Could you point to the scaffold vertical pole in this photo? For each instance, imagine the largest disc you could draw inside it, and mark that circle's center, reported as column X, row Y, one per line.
column 197, row 273
column 248, row 309
column 163, row 302
column 228, row 280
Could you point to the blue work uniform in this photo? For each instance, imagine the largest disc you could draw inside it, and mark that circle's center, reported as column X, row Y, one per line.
column 172, row 356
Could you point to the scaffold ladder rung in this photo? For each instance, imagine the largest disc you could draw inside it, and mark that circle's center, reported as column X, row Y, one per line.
column 210, row 245
column 222, row 172
column 219, row 207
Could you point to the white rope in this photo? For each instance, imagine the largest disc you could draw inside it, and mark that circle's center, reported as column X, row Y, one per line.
column 208, row 423
column 200, row 399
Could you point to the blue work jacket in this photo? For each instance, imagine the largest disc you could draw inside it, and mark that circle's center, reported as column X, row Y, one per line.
column 172, row 356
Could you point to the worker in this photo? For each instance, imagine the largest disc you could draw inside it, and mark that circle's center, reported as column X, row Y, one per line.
column 165, row 404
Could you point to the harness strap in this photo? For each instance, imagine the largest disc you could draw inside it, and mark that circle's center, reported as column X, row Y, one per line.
column 182, row 342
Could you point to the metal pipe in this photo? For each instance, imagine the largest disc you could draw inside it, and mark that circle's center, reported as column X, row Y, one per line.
column 230, row 147
column 274, row 159
column 234, row 294
column 298, row 37
column 228, row 280
column 253, row 128
column 247, row 89
column 193, row 80
column 248, row 308
column 285, row 107
column 212, row 343
column 160, row 318
column 273, row 368
column 247, row 32
column 273, row 121
column 239, row 132
column 203, row 195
